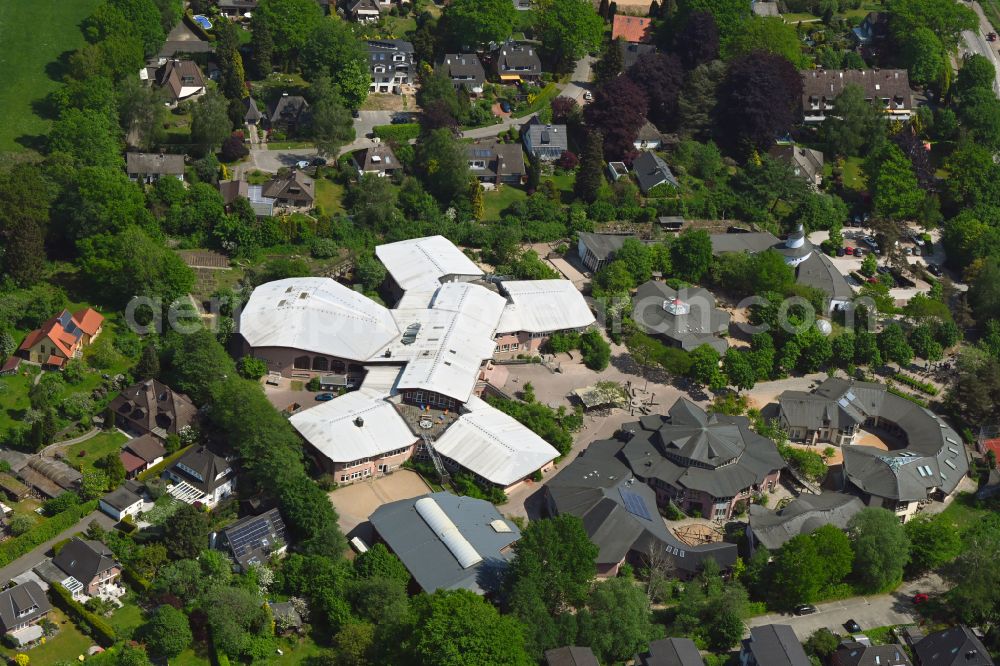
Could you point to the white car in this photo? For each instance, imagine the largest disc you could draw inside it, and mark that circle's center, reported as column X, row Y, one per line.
column 588, row 96
column 302, row 164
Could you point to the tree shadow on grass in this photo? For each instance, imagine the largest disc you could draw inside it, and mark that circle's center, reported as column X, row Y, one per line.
column 36, row 142
column 58, row 69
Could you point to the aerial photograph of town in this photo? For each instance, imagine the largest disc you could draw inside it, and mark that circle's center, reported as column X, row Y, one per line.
column 500, row 332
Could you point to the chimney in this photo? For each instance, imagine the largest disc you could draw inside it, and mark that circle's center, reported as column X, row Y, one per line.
column 360, row 422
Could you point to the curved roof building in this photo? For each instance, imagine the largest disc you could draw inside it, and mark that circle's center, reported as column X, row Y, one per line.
column 318, row 315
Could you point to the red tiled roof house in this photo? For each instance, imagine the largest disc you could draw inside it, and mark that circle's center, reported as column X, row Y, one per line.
column 61, row 338
column 632, row 29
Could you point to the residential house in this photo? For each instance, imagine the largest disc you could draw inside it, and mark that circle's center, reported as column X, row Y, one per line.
column 141, row 453
column 854, row 653
column 181, row 80
column 201, row 476
column 88, row 567
column 518, row 62
column 364, row 11
column 765, row 9
column 465, row 71
column 21, row 608
column 447, row 542
column 296, row 190
column 150, row 167
column 707, row 464
column 598, row 250
column 288, row 113
column 773, row 645
column 251, row 112
column 237, row 8
column 62, row 338
column 620, row 516
column 671, row 652
column 231, row 189
column 633, row 29
column 651, row 172
column 631, row 52
column 930, row 464
column 493, row 163
column 873, row 28
column 253, row 540
column 152, row 407
column 888, row 89
column 570, row 656
column 805, row 513
column 287, row 619
column 955, row 646
column 11, row 366
column 391, row 64
column 121, row 502
column 378, row 159
column 545, row 142
column 686, row 318
column 806, row 163
column 649, row 138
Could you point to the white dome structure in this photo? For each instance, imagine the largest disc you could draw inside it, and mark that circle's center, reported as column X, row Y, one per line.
column 824, row 326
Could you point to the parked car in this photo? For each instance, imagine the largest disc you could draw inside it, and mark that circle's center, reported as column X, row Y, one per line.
column 852, row 627
column 400, row 119
column 302, row 164
column 920, row 598
column 319, row 161
column 841, row 251
column 355, row 113
column 934, row 269
column 324, row 397
column 909, row 251
column 849, row 250
column 858, row 252
column 588, row 96
column 505, row 106
column 805, row 609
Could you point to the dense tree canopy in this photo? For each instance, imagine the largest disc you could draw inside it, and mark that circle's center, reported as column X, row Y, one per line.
column 568, row 30
column 473, row 24
column 760, row 100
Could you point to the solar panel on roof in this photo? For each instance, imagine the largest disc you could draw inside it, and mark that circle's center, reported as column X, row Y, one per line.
column 634, row 504
column 255, row 534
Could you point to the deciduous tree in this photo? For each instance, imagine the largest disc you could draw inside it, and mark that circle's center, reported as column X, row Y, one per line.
column 761, row 99
column 661, row 77
column 881, row 548
column 618, row 112
column 476, row 23
column 697, row 42
column 568, row 30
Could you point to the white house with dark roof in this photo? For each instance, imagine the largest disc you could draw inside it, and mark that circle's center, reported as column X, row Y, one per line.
column 545, row 142
column 465, row 71
column 22, row 607
column 651, row 171
column 150, row 167
column 390, row 62
column 378, row 160
column 201, row 476
column 517, row 62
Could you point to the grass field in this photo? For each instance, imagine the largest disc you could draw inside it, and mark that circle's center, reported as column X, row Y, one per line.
column 495, row 202
column 329, row 196
column 95, row 448
column 33, row 35
column 64, row 647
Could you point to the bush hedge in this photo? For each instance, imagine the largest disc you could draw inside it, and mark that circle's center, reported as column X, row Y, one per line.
column 903, row 394
column 14, row 548
column 156, row 469
column 134, row 579
column 924, row 387
column 400, row 133
column 103, row 632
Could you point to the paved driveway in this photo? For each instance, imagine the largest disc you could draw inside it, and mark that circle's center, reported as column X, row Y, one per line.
column 877, row 611
column 580, row 82
column 366, row 121
column 976, row 42
column 271, row 160
column 354, row 503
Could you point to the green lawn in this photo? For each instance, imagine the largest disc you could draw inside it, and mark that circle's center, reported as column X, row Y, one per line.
column 14, row 397
column 853, row 178
column 495, row 202
column 547, row 94
column 289, row 145
column 190, row 658
column 296, row 650
column 126, row 619
column 329, row 196
column 95, row 448
column 33, row 35
column 65, row 646
column 963, row 512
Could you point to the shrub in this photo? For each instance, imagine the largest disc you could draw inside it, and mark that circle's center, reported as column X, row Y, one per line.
column 595, row 350
column 103, row 632
column 313, row 384
column 14, row 548
column 397, row 133
column 252, row 368
column 568, row 160
column 233, row 149
column 924, row 387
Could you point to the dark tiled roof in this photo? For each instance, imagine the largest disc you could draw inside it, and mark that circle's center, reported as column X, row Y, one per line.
column 671, row 652
column 253, row 538
column 807, row 161
column 955, row 646
column 296, row 188
column 147, row 447
column 464, row 69
column 755, row 241
column 802, row 515
column 155, row 407
column 603, row 246
column 852, row 653
column 121, row 498
column 376, row 158
column 776, row 645
column 518, row 59
column 650, row 170
column 503, row 159
column 632, row 52
column 202, row 469
column 824, row 85
column 594, row 486
column 288, row 110
column 570, row 656
column 178, row 74
column 154, row 163
column 84, row 560
column 22, row 604
column 687, row 316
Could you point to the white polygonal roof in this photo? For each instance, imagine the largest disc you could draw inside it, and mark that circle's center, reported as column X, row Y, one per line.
column 330, row 427
column 494, row 445
column 542, row 306
column 420, row 263
column 317, row 315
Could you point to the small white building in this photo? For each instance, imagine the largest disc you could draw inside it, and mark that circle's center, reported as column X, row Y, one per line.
column 121, row 502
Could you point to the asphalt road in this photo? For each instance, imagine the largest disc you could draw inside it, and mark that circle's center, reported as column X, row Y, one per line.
column 580, row 82
column 32, row 559
column 976, row 42
column 869, row 612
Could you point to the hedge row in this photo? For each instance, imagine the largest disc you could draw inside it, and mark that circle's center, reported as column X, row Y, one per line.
column 14, row 548
column 923, row 387
column 398, row 133
column 103, row 632
column 156, row 469
column 903, row 394
column 134, row 579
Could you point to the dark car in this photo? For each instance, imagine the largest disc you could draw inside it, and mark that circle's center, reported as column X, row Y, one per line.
column 852, row 626
column 355, row 113
column 805, row 609
column 934, row 269
column 400, row 119
column 883, row 270
column 505, row 106
column 324, row 397
column 840, row 251
column 319, row 161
